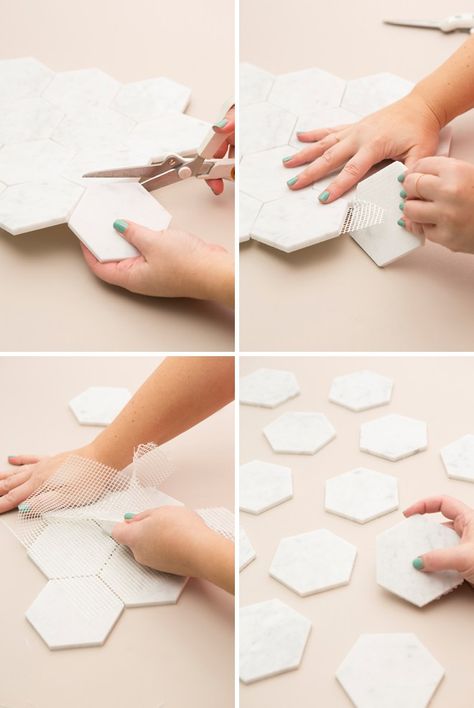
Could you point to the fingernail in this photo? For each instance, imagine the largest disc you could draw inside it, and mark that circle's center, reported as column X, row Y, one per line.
column 120, row 225
column 12, row 457
column 292, row 181
column 324, row 196
column 418, row 563
column 23, row 507
column 221, row 124
column 128, row 516
column 401, row 177
column 288, row 158
column 401, row 222
column 401, row 206
column 403, row 194
column 300, row 132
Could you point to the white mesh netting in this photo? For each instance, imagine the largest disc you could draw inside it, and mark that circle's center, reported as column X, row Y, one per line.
column 361, row 214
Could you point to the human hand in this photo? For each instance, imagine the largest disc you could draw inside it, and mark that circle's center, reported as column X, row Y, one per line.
column 176, row 540
column 406, row 130
column 226, row 127
column 438, row 202
column 461, row 519
column 172, row 264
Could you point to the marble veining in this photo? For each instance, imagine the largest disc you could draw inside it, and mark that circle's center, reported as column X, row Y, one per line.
column 255, row 84
column 302, row 91
column 28, row 119
column 458, row 458
column 268, row 387
column 371, row 93
column 361, row 390
column 299, row 433
column 144, row 100
column 263, row 485
column 393, row 437
column 264, row 126
column 361, row 494
column 71, row 91
column 35, row 161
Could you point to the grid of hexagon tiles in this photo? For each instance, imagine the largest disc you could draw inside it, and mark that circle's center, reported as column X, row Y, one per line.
column 273, row 110
column 54, row 127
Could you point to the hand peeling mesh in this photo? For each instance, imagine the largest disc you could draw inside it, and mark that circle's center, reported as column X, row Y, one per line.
column 360, row 215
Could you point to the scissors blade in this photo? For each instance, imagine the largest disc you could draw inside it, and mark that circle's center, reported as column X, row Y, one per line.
column 428, row 24
column 139, row 171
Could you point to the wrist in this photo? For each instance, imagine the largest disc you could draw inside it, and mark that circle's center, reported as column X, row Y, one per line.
column 424, row 101
column 218, row 279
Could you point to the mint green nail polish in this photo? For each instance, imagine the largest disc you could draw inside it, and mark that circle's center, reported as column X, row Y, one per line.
column 403, row 194
column 292, row 181
column 401, row 206
column 288, row 158
column 401, row 222
column 222, row 123
column 324, row 196
column 23, row 507
column 128, row 516
column 401, row 177
column 12, row 457
column 120, row 225
column 418, row 563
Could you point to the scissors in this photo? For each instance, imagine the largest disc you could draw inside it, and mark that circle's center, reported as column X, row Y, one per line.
column 174, row 167
column 463, row 23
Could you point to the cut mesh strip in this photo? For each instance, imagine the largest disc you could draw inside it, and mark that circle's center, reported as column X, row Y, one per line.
column 220, row 520
column 360, row 215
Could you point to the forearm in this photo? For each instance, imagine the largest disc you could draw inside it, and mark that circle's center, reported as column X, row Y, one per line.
column 178, row 395
column 448, row 90
column 218, row 284
column 215, row 562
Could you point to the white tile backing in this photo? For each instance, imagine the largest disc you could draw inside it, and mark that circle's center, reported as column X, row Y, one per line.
column 99, row 405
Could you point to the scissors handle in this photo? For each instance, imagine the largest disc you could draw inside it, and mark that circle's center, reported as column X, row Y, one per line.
column 456, row 22
column 221, row 169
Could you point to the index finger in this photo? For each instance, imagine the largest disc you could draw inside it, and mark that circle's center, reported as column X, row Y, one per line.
column 448, row 506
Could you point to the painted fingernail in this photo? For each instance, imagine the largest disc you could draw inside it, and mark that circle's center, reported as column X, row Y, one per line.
column 24, row 507
column 221, row 124
column 403, row 194
column 300, row 132
column 292, row 181
column 324, row 196
column 12, row 457
column 418, row 563
column 401, row 206
column 120, row 225
column 288, row 158
column 401, row 177
column 128, row 516
column 401, row 222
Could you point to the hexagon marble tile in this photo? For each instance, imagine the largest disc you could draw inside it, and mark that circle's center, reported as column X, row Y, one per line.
column 458, row 458
column 246, row 550
column 99, row 405
column 398, row 546
column 361, row 494
column 361, row 390
column 263, row 485
column 299, row 433
column 313, row 562
column 273, row 638
column 393, row 437
column 389, row 671
column 255, row 84
column 268, row 387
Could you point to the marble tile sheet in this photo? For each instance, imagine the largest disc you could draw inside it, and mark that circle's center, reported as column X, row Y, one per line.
column 361, row 494
column 35, row 161
column 458, row 458
column 321, row 117
column 73, row 613
column 22, row 78
column 246, row 550
column 398, row 546
column 248, row 212
column 263, row 176
column 302, row 91
column 313, row 562
column 371, row 93
column 361, row 390
column 94, row 128
column 99, row 405
column 148, row 99
column 171, row 132
column 91, row 160
column 28, row 119
column 264, row 126
column 92, row 220
column 72, row 91
column 263, row 485
column 273, row 637
column 268, row 388
column 393, row 437
column 255, row 84
column 299, row 433
column 389, row 671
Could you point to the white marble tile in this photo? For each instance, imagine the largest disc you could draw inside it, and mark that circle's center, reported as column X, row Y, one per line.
column 385, row 242
column 370, row 93
column 28, row 119
column 400, row 545
column 393, row 437
column 76, row 612
column 458, row 458
column 268, row 387
column 361, row 494
column 68, row 549
column 264, row 126
column 299, row 433
column 172, row 132
column 298, row 220
column 72, row 91
column 99, row 405
column 91, row 160
column 273, row 637
column 35, row 161
column 321, row 117
column 389, row 671
column 255, row 84
column 92, row 220
column 263, row 485
column 94, row 128
column 248, row 212
column 302, row 91
column 137, row 585
column 361, row 390
column 28, row 207
column 22, row 78
column 263, row 176
column 445, row 140
column 246, row 550
column 144, row 100
column 313, row 562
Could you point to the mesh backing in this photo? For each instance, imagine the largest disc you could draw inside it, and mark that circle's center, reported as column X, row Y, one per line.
column 360, row 215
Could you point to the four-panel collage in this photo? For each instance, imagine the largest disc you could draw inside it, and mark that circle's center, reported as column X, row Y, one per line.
column 237, row 354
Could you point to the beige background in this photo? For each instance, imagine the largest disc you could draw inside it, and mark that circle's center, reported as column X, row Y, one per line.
column 437, row 390
column 332, row 297
column 157, row 657
column 50, row 299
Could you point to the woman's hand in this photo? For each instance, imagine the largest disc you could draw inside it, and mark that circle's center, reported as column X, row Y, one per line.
column 172, row 264
column 406, row 130
column 461, row 519
column 176, row 540
column 225, row 127
column 438, row 202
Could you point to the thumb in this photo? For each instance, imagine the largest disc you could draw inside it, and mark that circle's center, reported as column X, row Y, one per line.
column 125, row 531
column 443, row 559
column 139, row 236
